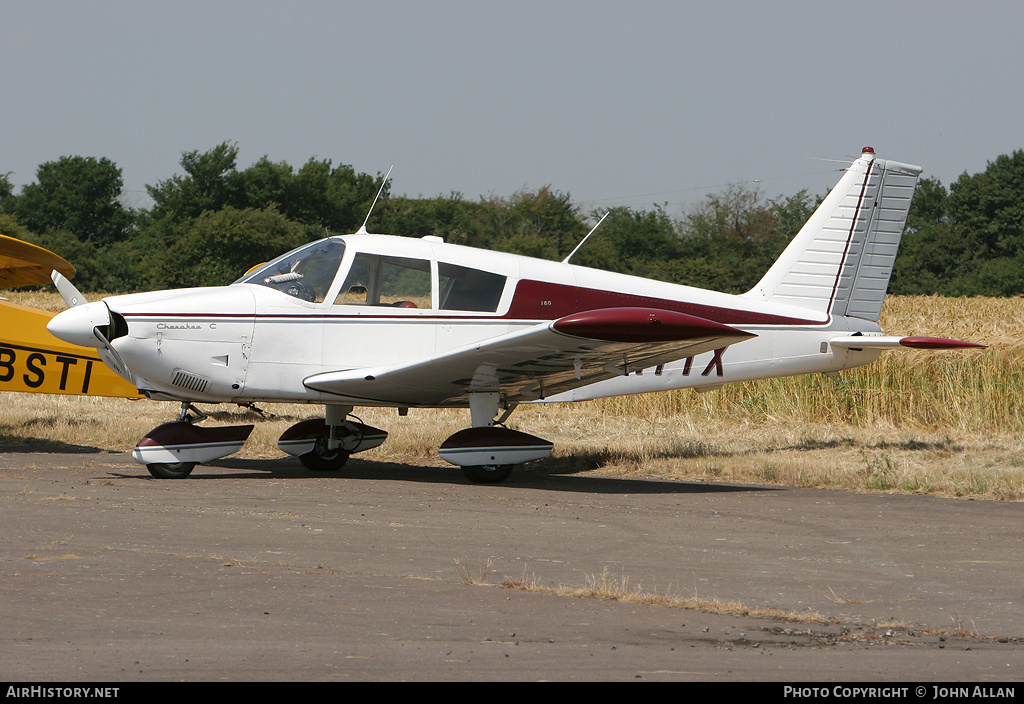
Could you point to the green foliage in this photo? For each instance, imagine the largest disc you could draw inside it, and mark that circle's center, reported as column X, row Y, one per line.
column 928, row 249
column 731, row 239
column 10, row 226
column 541, row 223
column 111, row 267
column 213, row 221
column 219, row 246
column 968, row 241
column 987, row 212
column 456, row 220
column 333, row 198
column 6, row 188
column 210, row 183
column 76, row 194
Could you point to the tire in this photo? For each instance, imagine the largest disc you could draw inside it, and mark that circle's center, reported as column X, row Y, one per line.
column 488, row 473
column 171, row 470
column 323, row 460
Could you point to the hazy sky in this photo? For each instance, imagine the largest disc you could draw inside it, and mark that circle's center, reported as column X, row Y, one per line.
column 613, row 102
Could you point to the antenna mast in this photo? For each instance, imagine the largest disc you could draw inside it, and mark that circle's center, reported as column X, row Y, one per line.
column 566, row 260
column 362, row 228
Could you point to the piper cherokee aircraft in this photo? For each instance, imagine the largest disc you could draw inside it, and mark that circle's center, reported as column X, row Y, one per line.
column 378, row 320
column 33, row 360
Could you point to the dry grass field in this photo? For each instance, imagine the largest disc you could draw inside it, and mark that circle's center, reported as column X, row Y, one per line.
column 945, row 423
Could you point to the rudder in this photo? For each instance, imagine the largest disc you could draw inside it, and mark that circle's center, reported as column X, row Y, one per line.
column 841, row 260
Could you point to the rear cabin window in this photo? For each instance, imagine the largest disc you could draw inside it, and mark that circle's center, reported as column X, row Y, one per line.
column 462, row 288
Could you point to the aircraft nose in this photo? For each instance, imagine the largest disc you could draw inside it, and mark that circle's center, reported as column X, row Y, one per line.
column 76, row 325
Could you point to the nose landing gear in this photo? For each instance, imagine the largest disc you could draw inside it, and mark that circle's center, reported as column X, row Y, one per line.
column 172, row 450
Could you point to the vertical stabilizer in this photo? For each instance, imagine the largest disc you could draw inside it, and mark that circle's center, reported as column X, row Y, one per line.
column 840, row 262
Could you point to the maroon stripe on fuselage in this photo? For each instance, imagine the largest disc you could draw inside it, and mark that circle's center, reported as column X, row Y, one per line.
column 535, row 300
column 550, row 301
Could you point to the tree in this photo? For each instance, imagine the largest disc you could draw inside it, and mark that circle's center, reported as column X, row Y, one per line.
column 987, row 215
column 219, row 246
column 731, row 239
column 631, row 242
column 210, row 183
column 929, row 253
column 968, row 241
column 542, row 223
column 6, row 188
column 76, row 194
column 318, row 194
column 10, row 226
column 450, row 217
column 336, row 198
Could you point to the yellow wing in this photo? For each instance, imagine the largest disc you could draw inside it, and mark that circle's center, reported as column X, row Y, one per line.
column 24, row 264
column 31, row 359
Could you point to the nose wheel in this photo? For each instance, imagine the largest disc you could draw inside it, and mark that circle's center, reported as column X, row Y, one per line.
column 172, row 450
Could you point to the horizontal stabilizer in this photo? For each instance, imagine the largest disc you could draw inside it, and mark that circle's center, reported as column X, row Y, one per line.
column 881, row 342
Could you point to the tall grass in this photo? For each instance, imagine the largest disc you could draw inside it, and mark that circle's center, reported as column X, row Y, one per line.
column 966, row 390
column 945, row 422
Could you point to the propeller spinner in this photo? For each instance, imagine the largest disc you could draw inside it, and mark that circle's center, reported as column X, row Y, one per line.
column 85, row 324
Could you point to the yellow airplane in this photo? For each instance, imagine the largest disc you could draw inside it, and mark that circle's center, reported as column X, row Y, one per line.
column 31, row 359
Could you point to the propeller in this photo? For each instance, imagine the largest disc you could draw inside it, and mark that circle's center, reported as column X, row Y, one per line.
column 67, row 290
column 85, row 324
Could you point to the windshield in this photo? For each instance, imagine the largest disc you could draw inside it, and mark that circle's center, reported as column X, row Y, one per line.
column 306, row 272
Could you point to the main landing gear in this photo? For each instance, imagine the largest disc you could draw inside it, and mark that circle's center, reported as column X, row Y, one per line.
column 486, row 453
column 324, row 445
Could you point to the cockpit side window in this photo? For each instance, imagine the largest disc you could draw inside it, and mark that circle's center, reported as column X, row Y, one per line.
column 305, row 273
column 468, row 289
column 378, row 280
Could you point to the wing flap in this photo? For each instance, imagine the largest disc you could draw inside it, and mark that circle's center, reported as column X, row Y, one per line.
column 537, row 362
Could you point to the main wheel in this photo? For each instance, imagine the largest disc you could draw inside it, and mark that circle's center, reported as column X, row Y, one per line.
column 322, row 459
column 171, row 470
column 488, row 473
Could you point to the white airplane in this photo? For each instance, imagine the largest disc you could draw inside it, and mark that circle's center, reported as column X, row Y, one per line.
column 378, row 320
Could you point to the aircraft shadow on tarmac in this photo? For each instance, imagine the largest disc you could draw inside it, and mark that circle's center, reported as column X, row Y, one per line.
column 539, row 475
column 523, row 477
column 31, row 445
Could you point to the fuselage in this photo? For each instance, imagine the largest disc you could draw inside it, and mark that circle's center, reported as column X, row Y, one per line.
column 360, row 301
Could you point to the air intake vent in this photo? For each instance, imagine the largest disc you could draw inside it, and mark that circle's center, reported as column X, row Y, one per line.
column 188, row 380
